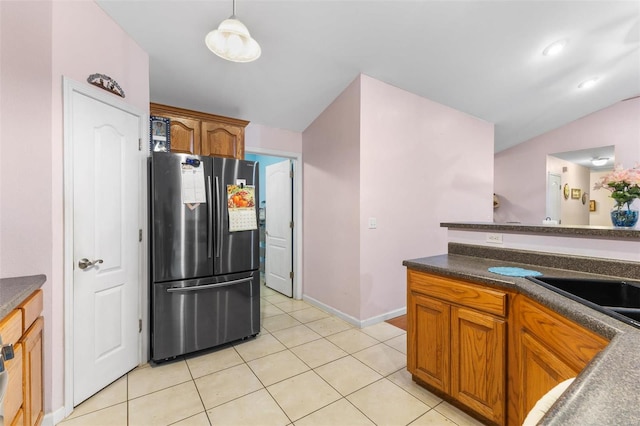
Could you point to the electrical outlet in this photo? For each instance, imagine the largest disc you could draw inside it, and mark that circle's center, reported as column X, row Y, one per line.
column 373, row 223
column 494, row 238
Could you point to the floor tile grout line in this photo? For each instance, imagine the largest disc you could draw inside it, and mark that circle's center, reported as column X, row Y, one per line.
column 310, row 369
column 198, row 389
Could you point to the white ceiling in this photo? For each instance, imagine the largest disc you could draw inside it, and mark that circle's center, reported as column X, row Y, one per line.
column 480, row 57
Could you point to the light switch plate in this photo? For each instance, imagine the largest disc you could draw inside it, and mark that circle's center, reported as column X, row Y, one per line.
column 373, row 223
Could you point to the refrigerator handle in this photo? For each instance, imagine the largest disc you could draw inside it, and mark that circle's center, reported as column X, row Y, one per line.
column 218, row 219
column 208, row 286
column 209, row 222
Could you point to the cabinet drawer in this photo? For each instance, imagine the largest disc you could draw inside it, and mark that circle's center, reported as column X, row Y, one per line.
column 11, row 327
column 31, row 309
column 459, row 292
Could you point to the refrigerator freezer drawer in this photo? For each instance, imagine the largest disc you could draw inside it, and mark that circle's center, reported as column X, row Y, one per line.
column 191, row 318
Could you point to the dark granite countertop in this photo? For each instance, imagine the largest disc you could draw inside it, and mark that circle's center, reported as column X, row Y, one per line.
column 566, row 230
column 13, row 291
column 606, row 392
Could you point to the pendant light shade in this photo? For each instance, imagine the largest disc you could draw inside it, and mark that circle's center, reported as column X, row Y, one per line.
column 232, row 41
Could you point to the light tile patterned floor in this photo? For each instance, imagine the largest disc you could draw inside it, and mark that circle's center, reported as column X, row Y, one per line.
column 305, row 368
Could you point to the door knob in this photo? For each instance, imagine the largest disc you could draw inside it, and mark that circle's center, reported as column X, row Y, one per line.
column 84, row 263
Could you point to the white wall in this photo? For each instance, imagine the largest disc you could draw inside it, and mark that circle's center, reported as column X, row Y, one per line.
column 411, row 163
column 520, row 171
column 50, row 39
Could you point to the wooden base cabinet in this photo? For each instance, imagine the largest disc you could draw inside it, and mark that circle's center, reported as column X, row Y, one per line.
column 545, row 349
column 199, row 133
column 457, row 334
column 456, row 341
column 23, row 404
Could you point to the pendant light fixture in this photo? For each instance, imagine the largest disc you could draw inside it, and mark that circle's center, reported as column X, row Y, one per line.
column 232, row 41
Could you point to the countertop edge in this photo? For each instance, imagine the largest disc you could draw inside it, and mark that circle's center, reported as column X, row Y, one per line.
column 607, row 388
column 13, row 291
column 567, row 230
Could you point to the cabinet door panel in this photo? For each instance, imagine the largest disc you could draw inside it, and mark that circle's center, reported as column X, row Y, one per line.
column 222, row 140
column 185, row 135
column 13, row 398
column 33, row 390
column 542, row 370
column 545, row 350
column 478, row 353
column 428, row 343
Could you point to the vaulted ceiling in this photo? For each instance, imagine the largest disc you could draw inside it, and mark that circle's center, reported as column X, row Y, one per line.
column 481, row 57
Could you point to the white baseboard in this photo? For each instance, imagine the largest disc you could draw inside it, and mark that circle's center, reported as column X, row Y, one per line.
column 53, row 418
column 383, row 317
column 351, row 320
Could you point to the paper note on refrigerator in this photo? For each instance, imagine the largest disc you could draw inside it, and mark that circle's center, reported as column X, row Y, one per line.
column 193, row 191
column 241, row 202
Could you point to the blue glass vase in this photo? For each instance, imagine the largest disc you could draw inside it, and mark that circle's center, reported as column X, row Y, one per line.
column 624, row 218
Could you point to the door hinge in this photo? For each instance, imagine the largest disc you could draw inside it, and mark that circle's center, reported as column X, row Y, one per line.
column 291, row 274
column 291, row 224
column 140, row 235
column 291, row 174
column 140, row 325
column 139, row 144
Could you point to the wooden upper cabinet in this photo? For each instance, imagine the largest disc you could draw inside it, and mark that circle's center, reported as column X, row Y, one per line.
column 222, row 140
column 185, row 135
column 199, row 133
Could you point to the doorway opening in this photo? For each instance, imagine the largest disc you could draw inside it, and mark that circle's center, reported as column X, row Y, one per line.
column 280, row 241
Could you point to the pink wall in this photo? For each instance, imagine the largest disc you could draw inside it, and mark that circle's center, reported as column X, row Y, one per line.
column 263, row 137
column 25, row 169
column 50, row 39
column 412, row 165
column 331, row 204
column 27, row 149
column 85, row 40
column 520, row 172
column 421, row 163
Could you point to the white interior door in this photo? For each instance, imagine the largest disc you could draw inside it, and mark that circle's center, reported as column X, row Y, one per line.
column 278, row 231
column 105, row 232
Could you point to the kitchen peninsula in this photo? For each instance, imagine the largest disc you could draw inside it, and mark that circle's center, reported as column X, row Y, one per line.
column 507, row 317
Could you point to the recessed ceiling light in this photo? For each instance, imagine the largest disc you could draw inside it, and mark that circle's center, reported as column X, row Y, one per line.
column 599, row 161
column 554, row 48
column 588, row 83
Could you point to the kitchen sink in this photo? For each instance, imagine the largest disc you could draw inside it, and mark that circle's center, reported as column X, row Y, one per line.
column 617, row 298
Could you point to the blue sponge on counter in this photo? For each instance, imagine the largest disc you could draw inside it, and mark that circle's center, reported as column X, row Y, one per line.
column 514, row 272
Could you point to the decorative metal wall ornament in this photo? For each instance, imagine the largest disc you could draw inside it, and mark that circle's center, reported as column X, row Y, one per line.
column 107, row 83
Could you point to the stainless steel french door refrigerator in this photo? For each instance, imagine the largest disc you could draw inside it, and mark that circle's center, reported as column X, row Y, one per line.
column 205, row 282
